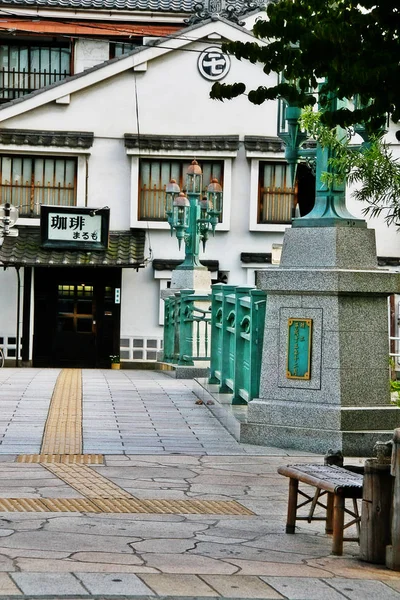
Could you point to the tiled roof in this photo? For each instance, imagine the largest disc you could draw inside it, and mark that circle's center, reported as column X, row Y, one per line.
column 153, row 5
column 179, row 6
column 71, row 139
column 182, row 142
column 263, row 144
column 125, row 249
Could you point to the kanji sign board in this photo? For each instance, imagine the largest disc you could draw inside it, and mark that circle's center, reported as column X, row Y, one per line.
column 74, row 228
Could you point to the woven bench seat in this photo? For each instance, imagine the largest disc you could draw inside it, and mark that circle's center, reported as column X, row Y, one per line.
column 338, row 484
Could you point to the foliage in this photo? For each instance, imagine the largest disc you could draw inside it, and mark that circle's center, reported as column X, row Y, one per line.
column 395, row 389
column 370, row 166
column 115, row 359
column 352, row 46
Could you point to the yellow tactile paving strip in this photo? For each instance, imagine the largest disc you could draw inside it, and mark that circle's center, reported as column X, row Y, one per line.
column 63, row 430
column 68, row 459
column 87, row 482
column 124, row 505
column 61, row 454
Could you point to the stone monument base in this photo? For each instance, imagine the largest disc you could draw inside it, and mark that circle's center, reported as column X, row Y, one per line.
column 342, row 400
column 354, row 431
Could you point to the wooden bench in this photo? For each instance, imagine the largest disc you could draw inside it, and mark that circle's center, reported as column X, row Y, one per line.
column 338, row 484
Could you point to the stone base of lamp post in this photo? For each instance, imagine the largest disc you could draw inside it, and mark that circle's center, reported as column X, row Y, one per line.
column 328, row 275
column 198, row 280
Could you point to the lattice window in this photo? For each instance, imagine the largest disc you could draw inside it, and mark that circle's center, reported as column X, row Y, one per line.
column 27, row 182
column 276, row 198
column 154, row 176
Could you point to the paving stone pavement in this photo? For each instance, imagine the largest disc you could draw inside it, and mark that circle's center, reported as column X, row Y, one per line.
column 159, row 444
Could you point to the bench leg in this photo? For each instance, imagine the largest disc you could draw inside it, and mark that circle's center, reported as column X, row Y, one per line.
column 292, row 506
column 338, row 523
column 329, row 513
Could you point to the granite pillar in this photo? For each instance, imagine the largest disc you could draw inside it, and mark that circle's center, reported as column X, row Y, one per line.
column 328, row 275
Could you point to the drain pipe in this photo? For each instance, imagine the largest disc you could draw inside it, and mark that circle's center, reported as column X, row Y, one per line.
column 18, row 314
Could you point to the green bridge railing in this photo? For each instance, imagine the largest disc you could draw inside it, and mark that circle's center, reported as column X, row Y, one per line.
column 187, row 328
column 237, row 325
column 226, row 329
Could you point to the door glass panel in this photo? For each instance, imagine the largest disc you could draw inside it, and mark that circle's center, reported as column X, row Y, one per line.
column 84, row 307
column 75, row 308
column 84, row 325
column 65, row 306
column 65, row 324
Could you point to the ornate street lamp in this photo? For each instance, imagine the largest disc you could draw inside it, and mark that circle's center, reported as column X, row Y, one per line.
column 330, row 204
column 193, row 215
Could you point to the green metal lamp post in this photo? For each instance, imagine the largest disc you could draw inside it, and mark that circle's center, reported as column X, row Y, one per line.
column 193, row 215
column 330, row 204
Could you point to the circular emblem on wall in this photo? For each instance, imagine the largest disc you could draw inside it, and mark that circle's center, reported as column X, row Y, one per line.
column 213, row 64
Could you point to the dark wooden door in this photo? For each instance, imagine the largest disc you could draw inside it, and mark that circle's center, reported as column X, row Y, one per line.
column 77, row 322
column 75, row 339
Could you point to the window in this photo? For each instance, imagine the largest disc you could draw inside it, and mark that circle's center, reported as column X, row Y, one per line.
column 26, row 182
column 120, row 48
column 154, row 176
column 24, row 68
column 276, row 198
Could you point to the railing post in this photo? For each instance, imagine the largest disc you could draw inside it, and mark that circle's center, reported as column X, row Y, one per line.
column 168, row 344
column 241, row 334
column 228, row 324
column 258, row 310
column 177, row 317
column 216, row 332
column 186, row 328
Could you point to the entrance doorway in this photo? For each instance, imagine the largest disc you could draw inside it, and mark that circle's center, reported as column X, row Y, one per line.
column 77, row 320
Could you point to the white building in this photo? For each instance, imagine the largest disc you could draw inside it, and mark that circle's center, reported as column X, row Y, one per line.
column 112, row 136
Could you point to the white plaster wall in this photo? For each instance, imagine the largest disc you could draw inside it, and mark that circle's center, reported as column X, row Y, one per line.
column 140, row 304
column 179, row 95
column 108, row 180
column 89, row 53
column 8, row 310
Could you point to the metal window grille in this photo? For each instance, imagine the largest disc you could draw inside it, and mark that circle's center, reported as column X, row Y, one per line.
column 276, row 199
column 154, row 176
column 24, row 68
column 27, row 182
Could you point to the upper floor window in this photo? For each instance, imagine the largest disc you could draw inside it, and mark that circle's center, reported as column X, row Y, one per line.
column 154, row 176
column 26, row 67
column 120, row 48
column 277, row 198
column 26, row 182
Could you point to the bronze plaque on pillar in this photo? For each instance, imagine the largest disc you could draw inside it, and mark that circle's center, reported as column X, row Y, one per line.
column 299, row 349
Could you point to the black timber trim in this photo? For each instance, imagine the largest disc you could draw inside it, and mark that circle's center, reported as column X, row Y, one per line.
column 256, row 257
column 389, row 261
column 31, row 137
column 165, row 264
column 181, row 142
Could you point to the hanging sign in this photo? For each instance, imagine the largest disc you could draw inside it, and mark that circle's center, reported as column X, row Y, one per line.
column 299, row 349
column 74, row 228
